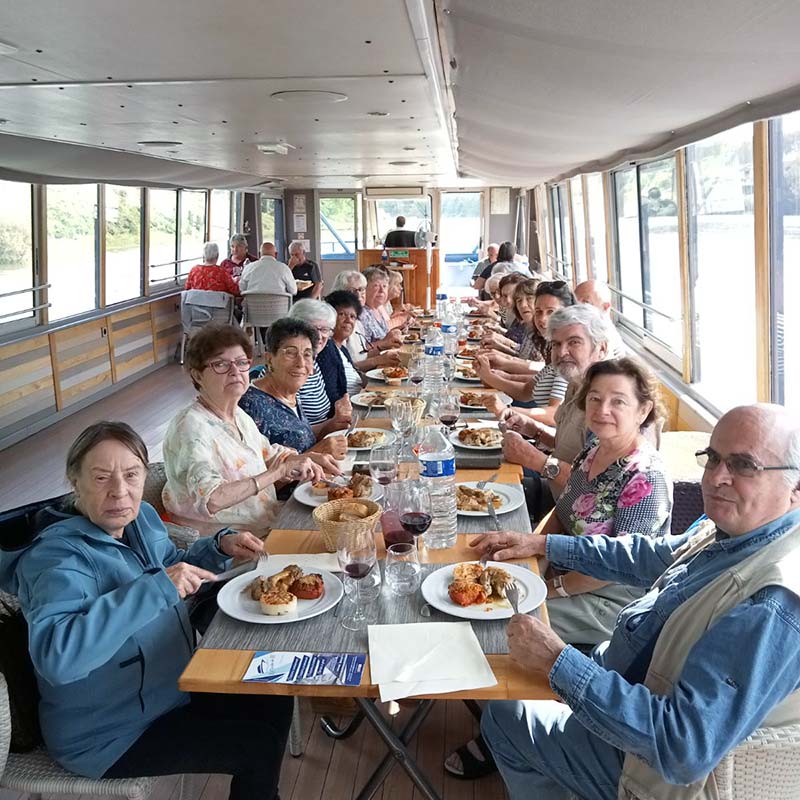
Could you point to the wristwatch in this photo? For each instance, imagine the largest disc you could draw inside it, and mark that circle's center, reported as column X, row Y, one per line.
column 551, row 468
column 558, row 585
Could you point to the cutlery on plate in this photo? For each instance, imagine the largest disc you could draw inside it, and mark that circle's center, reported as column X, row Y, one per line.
column 482, row 484
column 512, row 593
column 492, row 516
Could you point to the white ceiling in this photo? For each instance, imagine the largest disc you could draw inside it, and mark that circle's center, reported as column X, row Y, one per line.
column 540, row 87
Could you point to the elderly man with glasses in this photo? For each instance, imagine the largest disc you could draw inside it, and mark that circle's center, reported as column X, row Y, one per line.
column 707, row 656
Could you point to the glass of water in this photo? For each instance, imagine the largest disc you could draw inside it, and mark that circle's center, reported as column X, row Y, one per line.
column 402, row 568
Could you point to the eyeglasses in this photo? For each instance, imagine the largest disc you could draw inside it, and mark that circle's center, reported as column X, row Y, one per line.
column 223, row 365
column 741, row 465
column 293, row 353
column 324, row 331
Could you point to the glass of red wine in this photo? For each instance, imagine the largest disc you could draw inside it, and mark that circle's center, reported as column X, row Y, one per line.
column 415, row 508
column 449, row 409
column 357, row 557
column 416, row 370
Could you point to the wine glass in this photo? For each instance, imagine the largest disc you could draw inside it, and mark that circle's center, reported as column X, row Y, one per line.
column 415, row 508
column 449, row 409
column 416, row 370
column 448, row 368
column 355, row 550
column 383, row 464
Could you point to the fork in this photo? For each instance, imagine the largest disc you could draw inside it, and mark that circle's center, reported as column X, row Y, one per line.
column 261, row 567
column 512, row 593
column 482, row 484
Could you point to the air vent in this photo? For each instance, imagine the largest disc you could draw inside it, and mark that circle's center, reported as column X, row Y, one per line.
column 275, row 148
column 374, row 192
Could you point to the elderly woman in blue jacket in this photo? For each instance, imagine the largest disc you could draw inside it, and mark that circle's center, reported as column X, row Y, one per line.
column 102, row 589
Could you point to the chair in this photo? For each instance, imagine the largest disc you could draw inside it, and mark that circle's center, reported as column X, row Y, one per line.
column 261, row 310
column 199, row 307
column 37, row 774
column 687, row 505
column 181, row 536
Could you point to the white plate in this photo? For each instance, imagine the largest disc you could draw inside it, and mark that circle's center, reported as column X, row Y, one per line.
column 236, row 603
column 458, row 443
column 532, row 593
column 388, row 438
column 360, row 400
column 502, row 395
column 465, row 358
column 305, row 495
column 511, row 497
column 458, row 377
column 377, row 375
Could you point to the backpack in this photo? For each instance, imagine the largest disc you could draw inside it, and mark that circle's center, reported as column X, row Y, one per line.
column 17, row 667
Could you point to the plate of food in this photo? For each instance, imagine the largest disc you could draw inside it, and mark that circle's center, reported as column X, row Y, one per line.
column 358, row 487
column 472, row 591
column 302, row 285
column 483, row 437
column 472, row 501
column 412, row 337
column 284, row 594
column 467, row 353
column 466, row 373
column 374, row 399
column 476, row 400
column 390, row 375
column 367, row 438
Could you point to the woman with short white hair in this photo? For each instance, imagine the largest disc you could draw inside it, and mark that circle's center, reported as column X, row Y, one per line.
column 210, row 277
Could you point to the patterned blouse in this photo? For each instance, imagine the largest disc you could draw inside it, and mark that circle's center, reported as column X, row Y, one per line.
column 528, row 348
column 632, row 495
column 278, row 422
column 211, row 278
column 202, row 453
column 375, row 326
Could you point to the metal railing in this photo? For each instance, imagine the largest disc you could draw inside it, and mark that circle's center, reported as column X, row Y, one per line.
column 37, row 288
column 645, row 306
column 178, row 261
column 28, row 309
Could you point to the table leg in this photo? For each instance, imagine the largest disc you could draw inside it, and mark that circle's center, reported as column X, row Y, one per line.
column 397, row 749
column 330, row 729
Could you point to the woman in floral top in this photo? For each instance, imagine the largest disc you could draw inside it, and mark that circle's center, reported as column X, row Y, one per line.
column 221, row 472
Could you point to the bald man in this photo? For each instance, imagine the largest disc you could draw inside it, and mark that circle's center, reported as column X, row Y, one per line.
column 268, row 275
column 707, row 656
column 597, row 294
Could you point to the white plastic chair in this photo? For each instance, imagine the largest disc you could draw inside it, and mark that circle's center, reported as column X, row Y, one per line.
column 261, row 310
column 199, row 307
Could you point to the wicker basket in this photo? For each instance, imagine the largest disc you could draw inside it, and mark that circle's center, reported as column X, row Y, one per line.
column 326, row 518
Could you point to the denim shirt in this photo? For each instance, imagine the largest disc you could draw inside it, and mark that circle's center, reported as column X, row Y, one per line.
column 743, row 666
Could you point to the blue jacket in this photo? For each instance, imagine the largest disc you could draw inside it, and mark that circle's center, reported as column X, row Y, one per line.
column 332, row 369
column 108, row 633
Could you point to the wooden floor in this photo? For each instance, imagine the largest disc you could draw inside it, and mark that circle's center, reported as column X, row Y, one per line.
column 34, row 469
column 337, row 770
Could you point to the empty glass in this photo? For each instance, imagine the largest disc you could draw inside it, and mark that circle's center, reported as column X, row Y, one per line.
column 402, row 568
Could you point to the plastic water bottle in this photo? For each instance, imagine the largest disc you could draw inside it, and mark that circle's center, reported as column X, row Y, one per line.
column 441, row 305
column 450, row 331
column 384, row 257
column 434, row 362
column 438, row 472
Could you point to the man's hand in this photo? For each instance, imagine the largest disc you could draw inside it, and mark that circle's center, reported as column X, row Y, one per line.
column 522, row 424
column 532, row 644
column 494, row 404
column 391, row 358
column 509, row 544
column 187, row 577
column 518, row 451
column 242, row 545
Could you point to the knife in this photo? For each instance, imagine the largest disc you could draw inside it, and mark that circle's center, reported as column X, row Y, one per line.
column 232, row 573
column 492, row 515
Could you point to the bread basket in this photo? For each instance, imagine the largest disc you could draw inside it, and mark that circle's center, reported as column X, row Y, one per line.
column 326, row 517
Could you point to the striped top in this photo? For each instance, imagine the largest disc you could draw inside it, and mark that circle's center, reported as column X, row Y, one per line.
column 313, row 398
column 549, row 386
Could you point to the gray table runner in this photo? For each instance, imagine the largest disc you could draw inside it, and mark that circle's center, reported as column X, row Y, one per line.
column 296, row 516
column 325, row 634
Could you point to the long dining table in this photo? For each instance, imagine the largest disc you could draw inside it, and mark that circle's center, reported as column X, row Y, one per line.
column 228, row 646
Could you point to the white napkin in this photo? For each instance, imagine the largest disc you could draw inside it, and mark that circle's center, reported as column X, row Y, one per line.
column 426, row 658
column 309, row 562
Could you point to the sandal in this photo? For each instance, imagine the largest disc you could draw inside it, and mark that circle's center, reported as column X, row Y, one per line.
column 473, row 768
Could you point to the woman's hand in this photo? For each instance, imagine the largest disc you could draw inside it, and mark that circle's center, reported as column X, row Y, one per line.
column 325, row 461
column 187, row 577
column 242, row 545
column 335, row 446
column 509, row 544
column 392, row 339
column 342, row 410
column 494, row 404
column 303, row 468
column 391, row 358
column 483, row 366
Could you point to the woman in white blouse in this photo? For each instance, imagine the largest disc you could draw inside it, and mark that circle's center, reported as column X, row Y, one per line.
column 220, row 470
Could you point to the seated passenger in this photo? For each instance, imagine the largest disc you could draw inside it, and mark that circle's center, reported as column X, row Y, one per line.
column 373, row 316
column 508, row 340
column 528, row 381
column 220, row 470
column 394, row 306
column 239, row 257
column 347, row 309
column 324, row 395
column 304, row 269
column 708, row 655
column 267, row 275
column 101, row 588
column 210, row 277
column 491, row 259
column 597, row 294
column 274, row 401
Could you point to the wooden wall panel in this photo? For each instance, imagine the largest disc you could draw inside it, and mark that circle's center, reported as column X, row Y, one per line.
column 26, row 383
column 131, row 337
column 167, row 331
column 84, row 361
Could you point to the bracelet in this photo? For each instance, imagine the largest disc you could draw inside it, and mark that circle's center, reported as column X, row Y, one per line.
column 255, row 483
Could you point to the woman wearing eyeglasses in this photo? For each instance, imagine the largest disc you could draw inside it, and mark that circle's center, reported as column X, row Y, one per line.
column 221, row 471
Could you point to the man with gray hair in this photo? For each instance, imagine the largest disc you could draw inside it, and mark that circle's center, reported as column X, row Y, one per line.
column 578, row 338
column 267, row 275
column 239, row 258
column 704, row 660
column 305, row 271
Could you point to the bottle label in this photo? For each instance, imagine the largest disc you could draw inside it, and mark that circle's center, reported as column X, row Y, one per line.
column 438, row 469
column 449, row 328
column 434, row 350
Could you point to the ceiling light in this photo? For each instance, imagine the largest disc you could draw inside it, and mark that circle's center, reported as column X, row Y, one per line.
column 6, row 49
column 308, row 97
column 160, row 143
column 377, row 113
column 409, row 148
column 402, row 163
column 275, row 148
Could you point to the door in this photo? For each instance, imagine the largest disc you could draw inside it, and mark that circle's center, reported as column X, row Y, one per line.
column 460, row 240
column 338, row 235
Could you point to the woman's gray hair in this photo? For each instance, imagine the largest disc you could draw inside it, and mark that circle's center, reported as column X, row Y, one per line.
column 238, row 238
column 210, row 252
column 595, row 324
column 376, row 274
column 313, row 311
column 347, row 280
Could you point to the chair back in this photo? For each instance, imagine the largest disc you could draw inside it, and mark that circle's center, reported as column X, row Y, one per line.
column 262, row 310
column 199, row 307
column 5, row 724
column 687, row 505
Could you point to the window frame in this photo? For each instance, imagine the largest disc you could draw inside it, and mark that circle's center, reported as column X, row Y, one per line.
column 104, row 234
